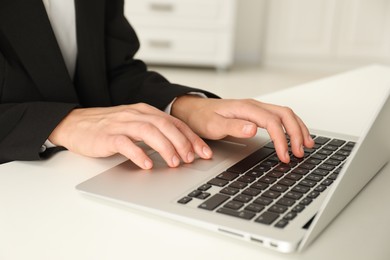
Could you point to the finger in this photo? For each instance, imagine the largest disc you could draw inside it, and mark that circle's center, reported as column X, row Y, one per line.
column 293, row 127
column 169, row 126
column 152, row 136
column 278, row 136
column 307, row 139
column 296, row 129
column 265, row 117
column 221, row 127
column 185, row 141
column 198, row 145
column 153, row 127
column 123, row 145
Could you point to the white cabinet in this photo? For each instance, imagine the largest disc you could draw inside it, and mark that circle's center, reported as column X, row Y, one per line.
column 327, row 33
column 184, row 32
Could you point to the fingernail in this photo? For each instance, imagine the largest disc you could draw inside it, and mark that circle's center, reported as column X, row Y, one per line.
column 247, row 129
column 148, row 164
column 206, row 151
column 175, row 161
column 190, row 157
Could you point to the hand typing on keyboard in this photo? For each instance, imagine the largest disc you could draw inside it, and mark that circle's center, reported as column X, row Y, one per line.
column 218, row 118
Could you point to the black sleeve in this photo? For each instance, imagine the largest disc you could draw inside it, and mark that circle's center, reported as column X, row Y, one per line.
column 26, row 126
column 129, row 79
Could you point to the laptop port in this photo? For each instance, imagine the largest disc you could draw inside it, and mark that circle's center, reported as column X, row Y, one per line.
column 254, row 239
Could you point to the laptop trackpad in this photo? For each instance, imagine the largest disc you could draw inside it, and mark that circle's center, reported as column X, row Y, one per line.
column 222, row 150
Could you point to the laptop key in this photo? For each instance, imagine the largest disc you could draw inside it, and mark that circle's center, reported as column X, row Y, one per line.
column 281, row 223
column 306, row 201
column 290, row 216
column 271, row 194
column 286, row 182
column 293, row 195
column 301, row 189
column 229, row 176
column 204, row 187
column 286, row 202
column 243, row 198
column 337, row 142
column 235, row 205
column 254, row 208
column 238, row 185
column 298, row 208
column 327, row 182
column 279, row 188
column 194, row 193
column 278, row 208
column 251, row 192
column 184, row 200
column 300, row 171
column 240, row 214
column 246, row 179
column 307, row 183
column 250, row 161
column 267, row 218
column 229, row 191
column 319, row 156
column 218, row 182
column 203, row 195
column 321, row 140
column 263, row 201
column 214, row 201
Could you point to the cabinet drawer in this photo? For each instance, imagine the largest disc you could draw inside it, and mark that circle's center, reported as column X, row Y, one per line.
column 184, row 46
column 179, row 10
column 177, row 41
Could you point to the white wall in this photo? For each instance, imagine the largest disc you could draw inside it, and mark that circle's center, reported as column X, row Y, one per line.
column 313, row 34
column 249, row 37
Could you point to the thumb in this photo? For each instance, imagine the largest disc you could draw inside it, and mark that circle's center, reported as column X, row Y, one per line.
column 234, row 127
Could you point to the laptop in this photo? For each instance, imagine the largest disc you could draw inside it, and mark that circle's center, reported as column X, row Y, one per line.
column 244, row 191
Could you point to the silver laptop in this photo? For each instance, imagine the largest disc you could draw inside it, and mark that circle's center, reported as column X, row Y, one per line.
column 246, row 192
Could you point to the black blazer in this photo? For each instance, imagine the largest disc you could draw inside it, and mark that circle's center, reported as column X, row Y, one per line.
column 36, row 92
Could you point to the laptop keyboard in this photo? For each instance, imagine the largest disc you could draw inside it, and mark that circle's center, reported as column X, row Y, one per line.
column 262, row 188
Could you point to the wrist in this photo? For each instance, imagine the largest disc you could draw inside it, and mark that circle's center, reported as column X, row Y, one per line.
column 183, row 105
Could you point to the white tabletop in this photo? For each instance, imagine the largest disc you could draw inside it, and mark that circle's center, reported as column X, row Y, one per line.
column 43, row 217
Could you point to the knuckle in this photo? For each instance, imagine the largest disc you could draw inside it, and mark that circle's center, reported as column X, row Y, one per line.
column 288, row 111
column 141, row 105
column 146, row 128
column 184, row 146
column 120, row 141
column 162, row 122
column 125, row 114
column 273, row 120
column 145, row 107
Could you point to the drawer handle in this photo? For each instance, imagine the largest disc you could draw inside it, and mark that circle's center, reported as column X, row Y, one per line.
column 160, row 44
column 161, row 7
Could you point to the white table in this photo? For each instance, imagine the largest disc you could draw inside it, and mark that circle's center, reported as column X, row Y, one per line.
column 43, row 217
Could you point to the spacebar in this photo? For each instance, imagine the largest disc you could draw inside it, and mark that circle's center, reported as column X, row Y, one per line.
column 250, row 161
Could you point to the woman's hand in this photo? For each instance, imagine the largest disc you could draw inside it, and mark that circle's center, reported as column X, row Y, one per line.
column 101, row 132
column 217, row 118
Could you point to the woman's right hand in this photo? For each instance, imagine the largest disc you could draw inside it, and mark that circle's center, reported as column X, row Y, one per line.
column 102, row 132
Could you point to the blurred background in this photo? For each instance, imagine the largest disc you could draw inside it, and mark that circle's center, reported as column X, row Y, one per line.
column 246, row 48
